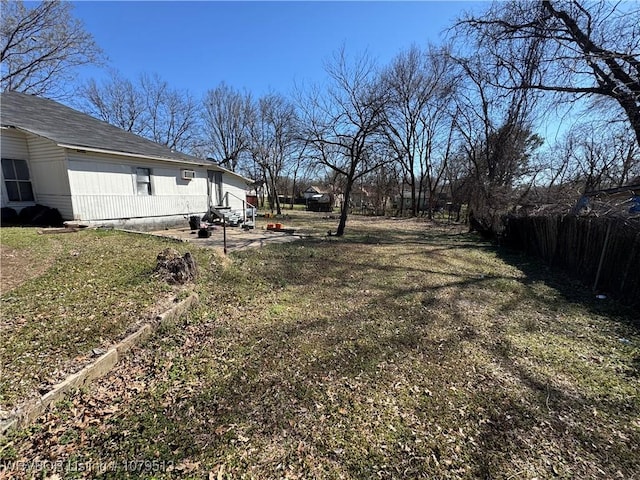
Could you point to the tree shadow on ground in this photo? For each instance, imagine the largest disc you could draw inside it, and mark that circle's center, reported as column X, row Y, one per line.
column 412, row 379
column 571, row 289
column 558, row 423
column 279, row 385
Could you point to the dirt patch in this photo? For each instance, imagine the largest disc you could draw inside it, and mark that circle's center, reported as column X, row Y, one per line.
column 18, row 266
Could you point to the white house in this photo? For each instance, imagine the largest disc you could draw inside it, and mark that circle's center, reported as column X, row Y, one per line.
column 97, row 174
column 312, row 192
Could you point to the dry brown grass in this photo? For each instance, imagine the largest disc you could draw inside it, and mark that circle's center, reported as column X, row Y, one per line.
column 403, row 350
column 65, row 295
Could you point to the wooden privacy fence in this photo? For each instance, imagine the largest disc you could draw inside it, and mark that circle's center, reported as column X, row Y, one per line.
column 602, row 252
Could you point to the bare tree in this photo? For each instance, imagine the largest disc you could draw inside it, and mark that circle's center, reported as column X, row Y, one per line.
column 41, row 47
column 382, row 186
column 458, row 178
column 272, row 137
column 343, row 126
column 497, row 140
column 299, row 162
column 591, row 155
column 116, row 101
column 558, row 179
column 418, row 118
column 149, row 107
column 410, row 94
column 587, row 48
column 172, row 115
column 227, row 114
column 598, row 158
column 627, row 154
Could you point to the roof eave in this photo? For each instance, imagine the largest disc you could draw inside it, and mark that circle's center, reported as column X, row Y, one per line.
column 128, row 154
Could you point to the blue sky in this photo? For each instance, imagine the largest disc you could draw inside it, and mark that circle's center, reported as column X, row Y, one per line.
column 260, row 46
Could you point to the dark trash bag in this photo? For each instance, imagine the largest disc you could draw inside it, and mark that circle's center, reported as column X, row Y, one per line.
column 194, row 222
column 204, row 233
column 8, row 216
column 40, row 215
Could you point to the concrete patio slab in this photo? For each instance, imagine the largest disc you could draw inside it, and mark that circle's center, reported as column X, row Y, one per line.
column 237, row 238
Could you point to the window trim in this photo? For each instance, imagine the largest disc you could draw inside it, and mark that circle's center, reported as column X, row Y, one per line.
column 18, row 181
column 137, row 182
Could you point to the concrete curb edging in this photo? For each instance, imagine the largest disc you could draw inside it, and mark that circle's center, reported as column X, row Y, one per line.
column 98, row 368
column 148, row 234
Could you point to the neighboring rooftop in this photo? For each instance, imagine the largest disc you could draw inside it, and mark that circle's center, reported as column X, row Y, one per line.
column 315, row 189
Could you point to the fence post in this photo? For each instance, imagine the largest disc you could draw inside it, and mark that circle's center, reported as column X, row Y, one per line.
column 224, row 233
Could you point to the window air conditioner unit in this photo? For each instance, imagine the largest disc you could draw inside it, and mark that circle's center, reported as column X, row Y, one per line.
column 188, row 174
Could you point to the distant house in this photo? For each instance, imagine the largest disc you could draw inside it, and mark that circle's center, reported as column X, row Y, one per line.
column 97, row 174
column 441, row 200
column 318, row 199
column 313, row 191
column 361, row 197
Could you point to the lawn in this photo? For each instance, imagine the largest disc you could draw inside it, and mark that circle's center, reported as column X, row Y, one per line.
column 68, row 294
column 404, row 350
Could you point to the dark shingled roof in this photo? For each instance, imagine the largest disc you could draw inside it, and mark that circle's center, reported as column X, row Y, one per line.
column 69, row 127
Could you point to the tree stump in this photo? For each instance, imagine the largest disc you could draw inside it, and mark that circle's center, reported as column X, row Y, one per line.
column 176, row 269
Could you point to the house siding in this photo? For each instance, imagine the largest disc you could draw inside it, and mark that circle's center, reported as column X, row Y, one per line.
column 104, row 188
column 236, row 189
column 13, row 145
column 94, row 208
column 47, row 170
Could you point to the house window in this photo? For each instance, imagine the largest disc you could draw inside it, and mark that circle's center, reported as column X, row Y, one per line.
column 17, row 180
column 143, row 181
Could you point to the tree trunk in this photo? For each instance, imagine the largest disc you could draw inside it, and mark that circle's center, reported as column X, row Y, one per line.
column 431, row 204
column 414, row 207
column 293, row 191
column 276, row 198
column 633, row 112
column 345, row 209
